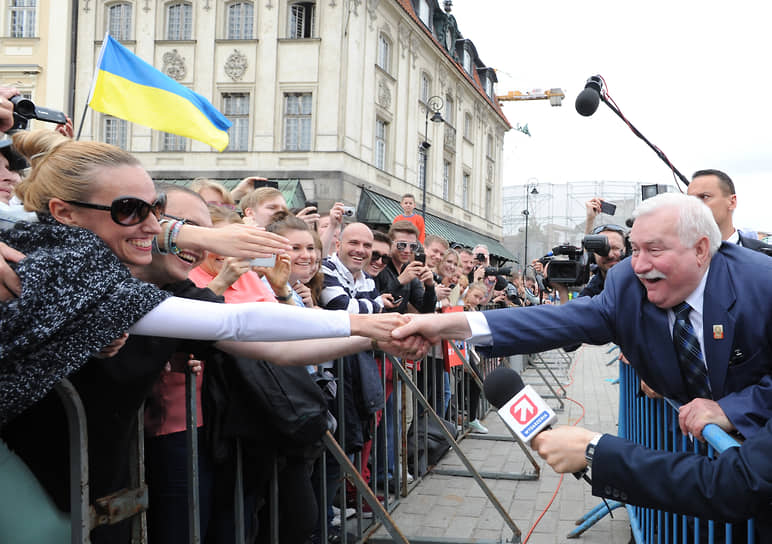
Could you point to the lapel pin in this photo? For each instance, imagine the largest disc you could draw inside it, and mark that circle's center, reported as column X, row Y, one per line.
column 718, row 332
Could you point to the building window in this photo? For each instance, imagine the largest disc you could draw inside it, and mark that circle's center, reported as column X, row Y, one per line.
column 465, row 190
column 422, row 167
column 116, row 131
column 384, row 52
column 301, row 20
column 489, row 87
column 426, row 87
column 450, row 111
column 381, row 133
column 172, row 142
column 297, row 122
column 489, row 148
column 447, row 178
column 240, row 21
column 119, row 21
column 236, row 108
column 488, row 202
column 21, row 16
column 179, row 21
column 468, row 126
column 424, row 13
column 467, row 61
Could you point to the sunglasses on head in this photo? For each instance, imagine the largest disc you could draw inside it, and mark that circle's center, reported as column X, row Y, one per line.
column 402, row 246
column 128, row 210
column 383, row 257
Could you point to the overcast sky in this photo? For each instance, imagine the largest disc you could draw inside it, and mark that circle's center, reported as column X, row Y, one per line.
column 693, row 77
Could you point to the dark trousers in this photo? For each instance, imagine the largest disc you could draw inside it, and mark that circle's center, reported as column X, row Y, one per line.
column 166, row 458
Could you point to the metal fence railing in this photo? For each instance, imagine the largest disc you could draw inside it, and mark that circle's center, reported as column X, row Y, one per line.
column 654, row 424
column 416, row 397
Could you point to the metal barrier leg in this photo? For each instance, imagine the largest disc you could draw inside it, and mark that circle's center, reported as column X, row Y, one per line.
column 592, row 517
column 194, row 505
column 80, row 511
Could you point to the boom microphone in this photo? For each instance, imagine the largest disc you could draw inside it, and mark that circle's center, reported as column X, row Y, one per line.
column 587, row 101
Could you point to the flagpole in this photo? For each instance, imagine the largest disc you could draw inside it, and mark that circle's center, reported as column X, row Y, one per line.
column 93, row 85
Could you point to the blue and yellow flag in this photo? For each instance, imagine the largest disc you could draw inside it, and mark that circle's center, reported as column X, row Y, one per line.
column 127, row 87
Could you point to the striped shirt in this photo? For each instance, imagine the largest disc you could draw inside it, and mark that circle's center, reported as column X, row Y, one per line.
column 342, row 291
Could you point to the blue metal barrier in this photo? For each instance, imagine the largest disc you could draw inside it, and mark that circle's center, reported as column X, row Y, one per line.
column 654, row 423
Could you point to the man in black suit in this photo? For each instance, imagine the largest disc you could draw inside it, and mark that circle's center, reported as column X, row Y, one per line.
column 716, row 190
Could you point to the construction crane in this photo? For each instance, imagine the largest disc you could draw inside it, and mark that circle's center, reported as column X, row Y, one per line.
column 554, row 95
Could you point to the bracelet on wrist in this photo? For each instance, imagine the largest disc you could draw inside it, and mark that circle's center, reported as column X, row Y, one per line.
column 283, row 298
column 173, row 233
column 374, row 344
column 161, row 237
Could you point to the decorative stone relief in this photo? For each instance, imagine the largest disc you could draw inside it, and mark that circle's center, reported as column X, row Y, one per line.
column 443, row 77
column 174, row 65
column 384, row 94
column 372, row 7
column 236, row 65
column 404, row 37
column 414, row 44
column 353, row 6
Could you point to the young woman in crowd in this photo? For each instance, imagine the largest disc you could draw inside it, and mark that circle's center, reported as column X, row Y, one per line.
column 77, row 295
column 447, row 271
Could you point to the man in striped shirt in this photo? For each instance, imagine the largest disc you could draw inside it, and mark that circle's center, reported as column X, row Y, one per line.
column 346, row 285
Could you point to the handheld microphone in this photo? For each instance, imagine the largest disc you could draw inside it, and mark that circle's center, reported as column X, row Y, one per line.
column 587, row 101
column 520, row 406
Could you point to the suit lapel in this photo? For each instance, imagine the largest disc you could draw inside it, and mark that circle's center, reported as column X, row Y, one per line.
column 718, row 300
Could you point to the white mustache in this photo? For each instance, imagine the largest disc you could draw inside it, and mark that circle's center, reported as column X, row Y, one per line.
column 652, row 275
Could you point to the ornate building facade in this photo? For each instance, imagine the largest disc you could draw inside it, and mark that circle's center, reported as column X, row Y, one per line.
column 333, row 93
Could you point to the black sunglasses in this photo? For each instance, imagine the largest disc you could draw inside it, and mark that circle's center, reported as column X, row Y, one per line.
column 383, row 257
column 401, row 246
column 128, row 210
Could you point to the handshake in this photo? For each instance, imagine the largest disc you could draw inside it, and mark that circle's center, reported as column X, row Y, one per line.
column 410, row 335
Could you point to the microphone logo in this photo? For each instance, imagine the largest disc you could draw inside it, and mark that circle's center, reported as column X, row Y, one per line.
column 523, row 410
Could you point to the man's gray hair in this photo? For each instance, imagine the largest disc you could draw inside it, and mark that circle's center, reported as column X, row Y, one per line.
column 695, row 219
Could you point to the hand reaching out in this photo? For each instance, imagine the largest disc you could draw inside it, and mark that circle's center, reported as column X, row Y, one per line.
column 112, row 349
column 10, row 285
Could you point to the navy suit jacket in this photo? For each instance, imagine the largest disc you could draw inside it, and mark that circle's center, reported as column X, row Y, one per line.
column 733, row 487
column 737, row 319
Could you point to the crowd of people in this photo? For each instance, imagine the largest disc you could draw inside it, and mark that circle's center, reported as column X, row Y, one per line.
column 118, row 283
column 125, row 286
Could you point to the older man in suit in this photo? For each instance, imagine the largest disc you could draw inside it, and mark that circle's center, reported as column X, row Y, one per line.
column 691, row 314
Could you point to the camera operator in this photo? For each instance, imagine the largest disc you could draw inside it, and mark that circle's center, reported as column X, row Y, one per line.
column 616, row 236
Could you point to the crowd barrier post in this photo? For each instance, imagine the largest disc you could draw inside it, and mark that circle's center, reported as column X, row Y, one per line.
column 429, row 411
column 486, row 367
column 121, row 505
column 191, row 435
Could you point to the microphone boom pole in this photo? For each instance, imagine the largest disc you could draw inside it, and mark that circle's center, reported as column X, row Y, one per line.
column 587, row 103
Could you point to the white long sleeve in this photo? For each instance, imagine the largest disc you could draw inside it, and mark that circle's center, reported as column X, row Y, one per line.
column 254, row 321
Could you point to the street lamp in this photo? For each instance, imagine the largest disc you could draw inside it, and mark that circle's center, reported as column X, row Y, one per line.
column 527, row 213
column 434, row 104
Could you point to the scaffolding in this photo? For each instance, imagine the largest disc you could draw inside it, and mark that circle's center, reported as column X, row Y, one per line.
column 557, row 214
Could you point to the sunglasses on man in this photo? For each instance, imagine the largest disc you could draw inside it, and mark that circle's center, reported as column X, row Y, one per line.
column 402, row 246
column 383, row 257
column 128, row 210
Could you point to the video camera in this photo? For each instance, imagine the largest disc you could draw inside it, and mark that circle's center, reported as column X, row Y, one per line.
column 575, row 268
column 24, row 110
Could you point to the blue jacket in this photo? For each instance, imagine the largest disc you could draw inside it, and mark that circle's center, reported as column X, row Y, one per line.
column 733, row 487
column 738, row 297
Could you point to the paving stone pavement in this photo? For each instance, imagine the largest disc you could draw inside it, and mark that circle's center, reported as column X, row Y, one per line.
column 447, row 507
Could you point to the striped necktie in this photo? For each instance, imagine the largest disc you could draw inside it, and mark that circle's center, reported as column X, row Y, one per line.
column 690, row 357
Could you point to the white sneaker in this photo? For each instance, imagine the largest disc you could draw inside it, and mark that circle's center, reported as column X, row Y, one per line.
column 350, row 512
column 478, row 427
column 410, row 478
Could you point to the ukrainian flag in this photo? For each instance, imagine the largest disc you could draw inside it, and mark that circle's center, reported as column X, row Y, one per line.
column 127, row 87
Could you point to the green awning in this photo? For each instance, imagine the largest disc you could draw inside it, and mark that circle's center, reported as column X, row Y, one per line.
column 381, row 210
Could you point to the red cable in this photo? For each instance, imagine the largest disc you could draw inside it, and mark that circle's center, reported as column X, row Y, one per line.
column 560, row 481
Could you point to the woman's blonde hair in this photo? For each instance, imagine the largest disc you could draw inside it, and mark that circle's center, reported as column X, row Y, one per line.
column 221, row 214
column 63, row 168
column 199, row 184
